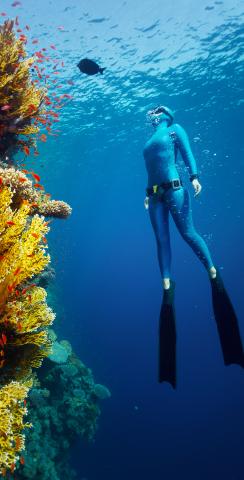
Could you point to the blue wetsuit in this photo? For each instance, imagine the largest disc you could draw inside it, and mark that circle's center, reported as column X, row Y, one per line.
column 160, row 154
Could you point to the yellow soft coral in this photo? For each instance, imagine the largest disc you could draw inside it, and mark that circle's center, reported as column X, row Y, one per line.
column 21, row 248
column 24, row 317
column 23, row 311
column 12, row 412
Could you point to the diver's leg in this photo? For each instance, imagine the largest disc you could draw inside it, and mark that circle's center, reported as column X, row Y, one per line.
column 159, row 216
column 224, row 312
column 180, row 208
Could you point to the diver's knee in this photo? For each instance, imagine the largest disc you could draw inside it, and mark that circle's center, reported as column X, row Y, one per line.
column 166, row 283
column 212, row 272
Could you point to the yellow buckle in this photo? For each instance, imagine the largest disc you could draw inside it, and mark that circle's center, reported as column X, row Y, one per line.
column 155, row 187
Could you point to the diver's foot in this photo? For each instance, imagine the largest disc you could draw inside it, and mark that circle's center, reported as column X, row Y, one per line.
column 212, row 272
column 166, row 283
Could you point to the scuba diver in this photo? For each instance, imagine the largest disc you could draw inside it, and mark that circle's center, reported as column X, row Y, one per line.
column 166, row 194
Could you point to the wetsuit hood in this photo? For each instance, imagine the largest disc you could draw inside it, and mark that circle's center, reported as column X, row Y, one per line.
column 163, row 109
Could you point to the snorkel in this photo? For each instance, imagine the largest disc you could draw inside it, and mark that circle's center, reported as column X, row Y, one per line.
column 160, row 113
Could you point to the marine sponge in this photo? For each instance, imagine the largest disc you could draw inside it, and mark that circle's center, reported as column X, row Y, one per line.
column 12, row 412
column 22, row 189
column 54, row 208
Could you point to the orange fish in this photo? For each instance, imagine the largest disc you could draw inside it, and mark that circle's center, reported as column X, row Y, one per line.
column 26, row 150
column 53, row 47
column 43, row 137
column 10, row 222
column 35, row 41
column 36, row 177
column 5, row 107
column 37, row 185
column 1, row 343
column 1, row 181
column 4, row 338
column 44, row 239
column 2, row 353
column 35, row 235
column 27, row 27
column 18, row 270
column 25, row 171
column 17, row 293
column 1, row 257
column 32, row 108
column 2, row 362
column 15, row 4
column 17, row 21
column 24, row 289
column 19, row 326
column 36, row 153
column 21, row 179
column 22, row 460
column 17, row 443
column 29, row 298
column 25, row 402
column 12, row 468
column 3, row 14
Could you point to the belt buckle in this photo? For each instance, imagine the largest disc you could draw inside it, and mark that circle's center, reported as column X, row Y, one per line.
column 175, row 184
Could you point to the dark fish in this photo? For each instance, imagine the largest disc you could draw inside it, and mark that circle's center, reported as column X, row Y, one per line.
column 89, row 67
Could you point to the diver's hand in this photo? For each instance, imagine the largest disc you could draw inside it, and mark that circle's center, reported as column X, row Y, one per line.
column 146, row 203
column 197, row 186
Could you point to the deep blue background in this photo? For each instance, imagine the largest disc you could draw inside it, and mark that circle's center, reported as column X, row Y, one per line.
column 187, row 57
column 112, row 288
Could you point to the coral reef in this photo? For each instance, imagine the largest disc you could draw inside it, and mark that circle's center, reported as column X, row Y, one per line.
column 23, row 189
column 63, row 399
column 21, row 101
column 12, row 411
column 63, row 406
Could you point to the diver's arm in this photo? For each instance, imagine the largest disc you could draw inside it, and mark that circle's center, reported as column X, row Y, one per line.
column 188, row 157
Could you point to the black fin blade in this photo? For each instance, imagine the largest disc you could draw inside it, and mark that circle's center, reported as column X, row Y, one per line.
column 227, row 324
column 167, row 339
column 101, row 70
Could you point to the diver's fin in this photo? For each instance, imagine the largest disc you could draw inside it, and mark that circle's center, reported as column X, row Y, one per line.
column 167, row 338
column 101, row 70
column 227, row 323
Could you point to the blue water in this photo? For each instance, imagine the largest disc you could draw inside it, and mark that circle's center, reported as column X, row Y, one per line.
column 186, row 55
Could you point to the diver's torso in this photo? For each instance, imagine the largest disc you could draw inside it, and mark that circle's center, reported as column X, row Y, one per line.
column 159, row 155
